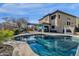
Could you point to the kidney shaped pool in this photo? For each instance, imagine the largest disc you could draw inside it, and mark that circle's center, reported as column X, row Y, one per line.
column 57, row 45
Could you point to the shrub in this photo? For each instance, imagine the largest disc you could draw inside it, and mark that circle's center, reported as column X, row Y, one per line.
column 6, row 35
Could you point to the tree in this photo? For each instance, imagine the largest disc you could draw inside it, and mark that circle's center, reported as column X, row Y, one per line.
column 19, row 24
column 22, row 23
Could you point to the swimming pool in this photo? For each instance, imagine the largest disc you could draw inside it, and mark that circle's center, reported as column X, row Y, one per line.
column 45, row 45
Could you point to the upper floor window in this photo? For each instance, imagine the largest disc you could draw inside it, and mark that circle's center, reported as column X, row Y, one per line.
column 53, row 17
column 59, row 16
column 68, row 23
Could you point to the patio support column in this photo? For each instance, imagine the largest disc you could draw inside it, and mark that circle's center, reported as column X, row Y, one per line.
column 64, row 30
column 42, row 28
column 49, row 28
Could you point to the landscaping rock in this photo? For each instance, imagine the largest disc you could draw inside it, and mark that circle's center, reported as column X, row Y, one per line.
column 6, row 50
column 21, row 48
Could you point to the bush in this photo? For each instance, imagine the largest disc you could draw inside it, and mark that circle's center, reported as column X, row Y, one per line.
column 6, row 35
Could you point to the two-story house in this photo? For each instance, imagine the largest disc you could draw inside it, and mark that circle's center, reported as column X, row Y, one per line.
column 59, row 21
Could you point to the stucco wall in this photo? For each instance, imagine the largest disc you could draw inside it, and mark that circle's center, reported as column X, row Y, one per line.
column 62, row 22
column 77, row 22
column 44, row 20
column 55, row 22
column 52, row 22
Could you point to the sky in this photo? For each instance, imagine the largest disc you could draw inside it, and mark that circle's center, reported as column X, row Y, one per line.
column 35, row 11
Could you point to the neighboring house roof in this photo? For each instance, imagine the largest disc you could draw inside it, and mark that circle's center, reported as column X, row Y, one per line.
column 33, row 24
column 59, row 12
column 38, row 24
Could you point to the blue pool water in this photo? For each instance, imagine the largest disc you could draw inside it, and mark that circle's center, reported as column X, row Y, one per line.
column 52, row 45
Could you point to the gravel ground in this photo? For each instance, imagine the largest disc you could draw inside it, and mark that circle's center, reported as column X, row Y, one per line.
column 6, row 50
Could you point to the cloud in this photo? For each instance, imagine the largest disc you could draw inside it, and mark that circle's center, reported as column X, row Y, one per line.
column 18, row 9
column 75, row 6
column 28, row 8
column 22, row 5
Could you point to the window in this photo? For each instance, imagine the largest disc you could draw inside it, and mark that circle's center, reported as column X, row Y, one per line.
column 68, row 23
column 53, row 17
column 68, row 30
column 59, row 16
column 78, row 25
column 53, row 26
column 46, row 27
